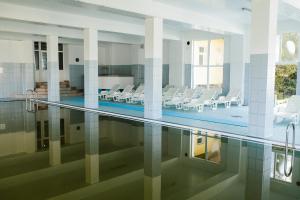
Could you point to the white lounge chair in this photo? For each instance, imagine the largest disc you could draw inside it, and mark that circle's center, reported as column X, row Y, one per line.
column 168, row 95
column 179, row 100
column 205, row 99
column 127, row 96
column 127, row 91
column 289, row 111
column 104, row 94
column 233, row 97
column 137, row 96
column 166, row 88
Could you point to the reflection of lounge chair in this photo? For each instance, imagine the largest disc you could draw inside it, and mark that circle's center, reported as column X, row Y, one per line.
column 114, row 89
column 233, row 97
column 127, row 91
column 206, row 98
column 289, row 111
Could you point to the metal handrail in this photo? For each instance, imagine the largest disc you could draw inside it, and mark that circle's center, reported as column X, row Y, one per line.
column 28, row 100
column 286, row 172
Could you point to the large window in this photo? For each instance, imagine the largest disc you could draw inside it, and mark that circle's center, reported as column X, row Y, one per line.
column 40, row 55
column 286, row 68
column 208, row 58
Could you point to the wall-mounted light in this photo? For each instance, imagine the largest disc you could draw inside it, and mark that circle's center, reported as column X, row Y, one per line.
column 246, row 10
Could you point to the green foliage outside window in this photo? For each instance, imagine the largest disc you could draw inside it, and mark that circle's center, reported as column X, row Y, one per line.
column 285, row 81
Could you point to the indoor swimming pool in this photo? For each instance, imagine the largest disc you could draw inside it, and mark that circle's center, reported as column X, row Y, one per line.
column 232, row 121
column 63, row 153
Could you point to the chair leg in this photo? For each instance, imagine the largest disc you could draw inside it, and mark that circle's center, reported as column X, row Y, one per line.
column 227, row 104
column 214, row 106
column 200, row 108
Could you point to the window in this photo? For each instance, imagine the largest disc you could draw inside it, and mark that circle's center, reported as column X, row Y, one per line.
column 40, row 55
column 60, row 57
column 208, row 58
column 286, row 68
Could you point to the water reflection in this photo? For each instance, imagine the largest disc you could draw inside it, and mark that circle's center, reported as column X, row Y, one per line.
column 92, row 157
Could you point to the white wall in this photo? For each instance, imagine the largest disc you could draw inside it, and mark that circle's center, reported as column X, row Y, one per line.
column 75, row 51
column 115, row 54
column 12, row 51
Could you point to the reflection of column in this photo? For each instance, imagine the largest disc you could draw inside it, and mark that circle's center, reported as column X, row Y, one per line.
column 258, row 171
column 29, row 138
column 152, row 162
column 91, row 148
column 54, row 135
column 233, row 155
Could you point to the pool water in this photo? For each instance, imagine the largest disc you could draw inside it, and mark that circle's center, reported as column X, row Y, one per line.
column 84, row 155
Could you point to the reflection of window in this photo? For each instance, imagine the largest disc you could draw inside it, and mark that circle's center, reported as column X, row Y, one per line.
column 208, row 58
column 277, row 167
column 207, row 147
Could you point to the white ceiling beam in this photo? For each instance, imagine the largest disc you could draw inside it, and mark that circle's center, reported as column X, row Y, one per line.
column 9, row 26
column 294, row 3
column 48, row 17
column 158, row 9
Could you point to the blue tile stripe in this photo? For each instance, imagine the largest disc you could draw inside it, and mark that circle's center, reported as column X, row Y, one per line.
column 79, row 101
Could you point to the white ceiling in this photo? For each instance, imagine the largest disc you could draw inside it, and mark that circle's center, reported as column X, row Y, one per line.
column 230, row 10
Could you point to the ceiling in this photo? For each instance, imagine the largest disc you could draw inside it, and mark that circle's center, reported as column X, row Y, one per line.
column 231, row 10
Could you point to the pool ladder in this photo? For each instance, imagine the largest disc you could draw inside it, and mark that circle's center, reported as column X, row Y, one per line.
column 287, row 173
column 30, row 105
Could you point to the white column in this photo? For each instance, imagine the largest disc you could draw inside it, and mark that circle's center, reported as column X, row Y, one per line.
column 226, row 66
column 153, row 67
column 91, row 68
column 176, row 62
column 188, row 64
column 237, row 63
column 262, row 72
column 52, row 68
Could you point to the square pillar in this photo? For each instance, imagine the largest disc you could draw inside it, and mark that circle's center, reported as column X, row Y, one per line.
column 237, row 64
column 153, row 67
column 90, row 68
column 176, row 62
column 262, row 70
column 52, row 68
